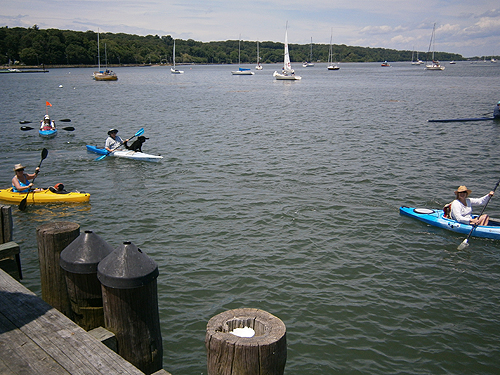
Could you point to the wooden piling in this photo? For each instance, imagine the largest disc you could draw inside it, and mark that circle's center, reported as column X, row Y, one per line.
column 264, row 353
column 52, row 238
column 9, row 251
column 130, row 300
column 79, row 260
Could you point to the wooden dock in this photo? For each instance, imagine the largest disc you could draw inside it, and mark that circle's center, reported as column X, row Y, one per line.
column 35, row 338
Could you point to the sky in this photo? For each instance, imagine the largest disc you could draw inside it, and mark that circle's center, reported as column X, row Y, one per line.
column 468, row 27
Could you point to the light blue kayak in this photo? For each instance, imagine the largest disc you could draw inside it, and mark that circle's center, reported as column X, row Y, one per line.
column 437, row 219
column 48, row 133
column 126, row 154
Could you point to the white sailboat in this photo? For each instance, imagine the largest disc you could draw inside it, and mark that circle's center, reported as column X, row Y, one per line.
column 417, row 61
column 174, row 70
column 435, row 65
column 309, row 63
column 331, row 65
column 258, row 67
column 103, row 75
column 241, row 71
column 287, row 73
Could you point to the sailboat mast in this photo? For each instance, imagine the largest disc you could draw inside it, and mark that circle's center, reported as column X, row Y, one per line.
column 98, row 51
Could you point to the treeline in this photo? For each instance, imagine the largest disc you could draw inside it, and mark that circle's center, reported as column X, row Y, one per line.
column 34, row 46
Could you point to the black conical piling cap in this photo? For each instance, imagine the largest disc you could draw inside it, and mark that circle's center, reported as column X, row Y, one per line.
column 127, row 267
column 84, row 254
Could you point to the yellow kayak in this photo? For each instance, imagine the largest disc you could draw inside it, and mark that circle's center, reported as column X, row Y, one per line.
column 44, row 196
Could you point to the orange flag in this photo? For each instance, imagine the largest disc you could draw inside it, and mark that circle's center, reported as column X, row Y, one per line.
column 48, row 104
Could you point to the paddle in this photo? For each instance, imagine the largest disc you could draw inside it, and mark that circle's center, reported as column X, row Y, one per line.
column 65, row 120
column 24, row 202
column 25, row 122
column 464, row 243
column 67, row 128
column 139, row 132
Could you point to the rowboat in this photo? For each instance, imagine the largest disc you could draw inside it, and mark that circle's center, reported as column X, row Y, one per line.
column 437, row 219
column 126, row 154
column 44, row 196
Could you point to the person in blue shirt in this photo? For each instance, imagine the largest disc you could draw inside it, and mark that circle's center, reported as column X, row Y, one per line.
column 20, row 182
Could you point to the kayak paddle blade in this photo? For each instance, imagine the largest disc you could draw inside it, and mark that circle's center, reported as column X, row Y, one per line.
column 25, row 128
column 101, row 157
column 65, row 120
column 463, row 245
column 23, row 204
column 45, row 152
column 139, row 132
column 68, row 128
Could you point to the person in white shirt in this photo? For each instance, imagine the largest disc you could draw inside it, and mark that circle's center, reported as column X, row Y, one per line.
column 461, row 208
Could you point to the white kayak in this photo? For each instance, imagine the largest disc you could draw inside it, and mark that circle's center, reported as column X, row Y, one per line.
column 126, row 154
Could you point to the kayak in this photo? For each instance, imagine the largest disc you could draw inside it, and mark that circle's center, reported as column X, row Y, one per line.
column 126, row 154
column 44, row 196
column 437, row 219
column 47, row 133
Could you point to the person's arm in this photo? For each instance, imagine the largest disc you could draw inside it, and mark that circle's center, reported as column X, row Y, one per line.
column 18, row 186
column 456, row 213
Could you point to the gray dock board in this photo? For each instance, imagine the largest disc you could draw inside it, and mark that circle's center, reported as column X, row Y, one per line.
column 36, row 338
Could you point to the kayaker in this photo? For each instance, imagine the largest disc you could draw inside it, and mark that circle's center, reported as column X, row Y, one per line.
column 113, row 142
column 496, row 111
column 20, row 182
column 46, row 124
column 461, row 208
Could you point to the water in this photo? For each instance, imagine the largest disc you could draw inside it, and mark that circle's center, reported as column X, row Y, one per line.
column 284, row 196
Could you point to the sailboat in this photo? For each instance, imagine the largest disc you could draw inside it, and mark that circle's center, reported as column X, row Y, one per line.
column 173, row 70
column 103, row 75
column 309, row 63
column 417, row 61
column 258, row 67
column 435, row 65
column 287, row 73
column 331, row 66
column 241, row 71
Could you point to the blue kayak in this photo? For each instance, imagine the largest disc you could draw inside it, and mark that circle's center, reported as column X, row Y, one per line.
column 48, row 133
column 126, row 154
column 437, row 219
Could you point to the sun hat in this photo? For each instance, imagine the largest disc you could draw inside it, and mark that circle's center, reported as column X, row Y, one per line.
column 462, row 189
column 112, row 131
column 18, row 167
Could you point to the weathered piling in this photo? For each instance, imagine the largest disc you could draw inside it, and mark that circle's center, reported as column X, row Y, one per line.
column 9, row 250
column 130, row 300
column 228, row 353
column 52, row 238
column 79, row 260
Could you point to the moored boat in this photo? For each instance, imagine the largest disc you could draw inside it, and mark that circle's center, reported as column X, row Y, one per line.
column 437, row 218
column 287, row 73
column 44, row 196
column 126, row 154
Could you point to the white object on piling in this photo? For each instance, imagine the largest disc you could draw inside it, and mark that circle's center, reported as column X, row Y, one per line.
column 243, row 332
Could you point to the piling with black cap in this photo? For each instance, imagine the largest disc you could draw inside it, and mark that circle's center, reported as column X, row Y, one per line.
column 130, row 299
column 79, row 260
column 52, row 239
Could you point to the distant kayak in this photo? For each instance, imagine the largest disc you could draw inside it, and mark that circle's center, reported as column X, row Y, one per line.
column 437, row 219
column 126, row 154
column 44, row 196
column 47, row 133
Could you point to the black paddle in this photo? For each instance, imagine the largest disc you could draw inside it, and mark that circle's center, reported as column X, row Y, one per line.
column 67, row 128
column 24, row 202
column 464, row 243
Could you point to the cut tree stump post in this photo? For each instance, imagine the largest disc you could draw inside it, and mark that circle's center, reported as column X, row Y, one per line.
column 228, row 354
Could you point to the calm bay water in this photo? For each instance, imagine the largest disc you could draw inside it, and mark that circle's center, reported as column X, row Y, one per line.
column 284, row 196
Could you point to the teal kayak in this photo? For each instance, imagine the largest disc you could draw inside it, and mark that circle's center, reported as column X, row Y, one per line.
column 437, row 219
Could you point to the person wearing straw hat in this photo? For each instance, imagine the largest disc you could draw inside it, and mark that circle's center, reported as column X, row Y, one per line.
column 461, row 208
column 20, row 182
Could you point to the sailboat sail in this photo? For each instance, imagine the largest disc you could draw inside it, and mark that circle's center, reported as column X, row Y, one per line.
column 287, row 66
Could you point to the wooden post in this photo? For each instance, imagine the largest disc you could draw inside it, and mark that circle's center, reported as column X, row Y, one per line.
column 130, row 300
column 52, row 238
column 79, row 260
column 264, row 353
column 6, row 230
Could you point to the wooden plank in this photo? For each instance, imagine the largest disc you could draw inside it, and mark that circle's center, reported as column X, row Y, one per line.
column 58, row 337
column 8, row 249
